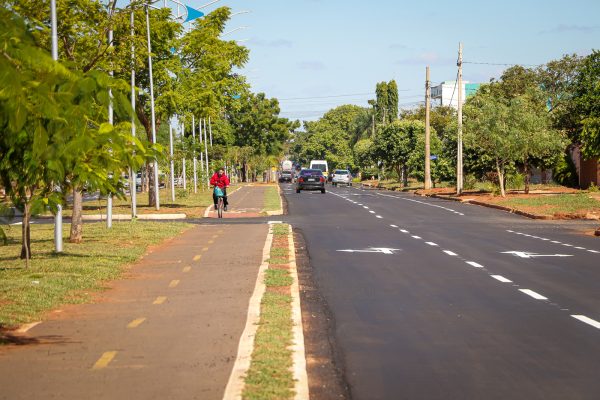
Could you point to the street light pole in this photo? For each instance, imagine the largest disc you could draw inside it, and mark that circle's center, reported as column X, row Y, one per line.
column 132, row 173
column 194, row 153
column 156, row 191
column 58, row 239
column 172, row 163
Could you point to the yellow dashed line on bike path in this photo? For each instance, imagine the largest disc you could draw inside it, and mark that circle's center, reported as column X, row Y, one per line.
column 104, row 360
column 160, row 300
column 136, row 322
column 197, row 257
column 205, row 249
column 187, row 269
column 211, row 241
column 174, row 283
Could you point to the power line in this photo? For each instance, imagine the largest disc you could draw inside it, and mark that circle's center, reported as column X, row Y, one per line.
column 502, row 64
column 455, row 82
column 337, row 95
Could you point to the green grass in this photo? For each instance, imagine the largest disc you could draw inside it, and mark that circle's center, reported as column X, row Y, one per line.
column 52, row 279
column 270, row 375
column 550, row 204
column 186, row 201
column 271, row 199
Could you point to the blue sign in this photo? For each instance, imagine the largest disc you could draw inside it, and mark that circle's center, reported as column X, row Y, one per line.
column 193, row 14
column 433, row 157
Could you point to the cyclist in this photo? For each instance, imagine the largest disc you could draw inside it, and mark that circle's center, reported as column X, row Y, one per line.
column 222, row 181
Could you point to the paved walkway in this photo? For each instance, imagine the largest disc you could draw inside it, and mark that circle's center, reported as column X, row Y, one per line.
column 171, row 331
column 246, row 202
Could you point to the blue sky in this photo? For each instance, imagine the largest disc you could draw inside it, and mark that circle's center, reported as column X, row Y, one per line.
column 310, row 49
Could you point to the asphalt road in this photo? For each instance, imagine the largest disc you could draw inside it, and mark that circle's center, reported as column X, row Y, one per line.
column 442, row 300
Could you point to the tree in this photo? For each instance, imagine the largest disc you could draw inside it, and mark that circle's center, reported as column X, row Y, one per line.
column 509, row 131
column 396, row 143
column 46, row 115
column 381, row 102
column 587, row 104
column 392, row 104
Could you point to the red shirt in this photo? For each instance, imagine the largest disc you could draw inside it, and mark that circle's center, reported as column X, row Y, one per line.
column 220, row 181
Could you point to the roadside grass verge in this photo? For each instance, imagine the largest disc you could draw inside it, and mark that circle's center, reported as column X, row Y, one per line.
column 186, row 201
column 575, row 204
column 271, row 199
column 270, row 374
column 70, row 277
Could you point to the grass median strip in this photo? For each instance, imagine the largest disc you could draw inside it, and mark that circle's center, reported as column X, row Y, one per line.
column 270, row 374
column 271, row 199
column 55, row 279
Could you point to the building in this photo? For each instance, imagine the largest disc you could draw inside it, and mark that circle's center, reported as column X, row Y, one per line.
column 587, row 170
column 447, row 92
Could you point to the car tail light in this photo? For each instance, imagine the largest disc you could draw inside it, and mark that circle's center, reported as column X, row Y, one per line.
column 300, row 179
column 322, row 179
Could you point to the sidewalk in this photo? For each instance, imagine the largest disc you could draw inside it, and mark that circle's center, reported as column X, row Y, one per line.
column 171, row 331
column 245, row 202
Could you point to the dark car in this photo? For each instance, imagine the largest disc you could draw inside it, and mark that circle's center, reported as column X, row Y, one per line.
column 310, row 179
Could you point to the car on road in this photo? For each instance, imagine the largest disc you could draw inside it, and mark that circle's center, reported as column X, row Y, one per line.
column 342, row 176
column 310, row 179
column 285, row 176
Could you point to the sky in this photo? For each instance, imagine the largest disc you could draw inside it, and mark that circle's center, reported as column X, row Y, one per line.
column 314, row 55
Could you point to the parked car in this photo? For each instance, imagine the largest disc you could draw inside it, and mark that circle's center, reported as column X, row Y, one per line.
column 342, row 176
column 310, row 179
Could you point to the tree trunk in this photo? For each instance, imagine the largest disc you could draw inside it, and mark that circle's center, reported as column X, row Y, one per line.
column 404, row 176
column 145, row 177
column 26, row 235
column 527, row 177
column 76, row 235
column 500, row 179
column 151, row 183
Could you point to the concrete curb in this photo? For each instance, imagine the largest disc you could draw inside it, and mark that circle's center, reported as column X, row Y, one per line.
column 127, row 217
column 299, row 352
column 236, row 383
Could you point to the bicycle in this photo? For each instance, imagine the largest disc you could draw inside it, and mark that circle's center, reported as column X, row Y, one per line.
column 220, row 202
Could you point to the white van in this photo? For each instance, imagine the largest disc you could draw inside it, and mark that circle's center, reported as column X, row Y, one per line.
column 322, row 165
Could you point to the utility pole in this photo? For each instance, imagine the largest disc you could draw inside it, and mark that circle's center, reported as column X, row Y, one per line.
column 459, row 158
column 58, row 239
column 427, row 131
column 201, row 142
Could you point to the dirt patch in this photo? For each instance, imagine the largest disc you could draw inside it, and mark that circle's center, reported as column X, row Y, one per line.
column 283, row 290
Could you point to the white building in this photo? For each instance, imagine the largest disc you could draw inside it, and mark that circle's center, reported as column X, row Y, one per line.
column 447, row 92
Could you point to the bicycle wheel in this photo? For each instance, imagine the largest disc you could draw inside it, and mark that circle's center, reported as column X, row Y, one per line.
column 220, row 207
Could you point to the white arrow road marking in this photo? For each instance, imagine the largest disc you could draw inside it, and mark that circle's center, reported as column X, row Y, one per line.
column 525, row 254
column 383, row 250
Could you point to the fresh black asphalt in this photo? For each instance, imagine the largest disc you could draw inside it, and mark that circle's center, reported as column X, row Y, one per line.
column 450, row 315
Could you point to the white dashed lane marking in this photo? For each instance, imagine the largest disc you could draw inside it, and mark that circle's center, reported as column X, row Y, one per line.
column 422, row 202
column 474, row 264
column 450, row 253
column 551, row 241
column 587, row 320
column 416, row 237
column 501, row 278
column 533, row 294
column 431, row 243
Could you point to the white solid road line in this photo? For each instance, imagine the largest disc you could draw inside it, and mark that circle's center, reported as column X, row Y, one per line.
column 587, row 320
column 501, row 278
column 533, row 294
column 474, row 264
column 450, row 253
